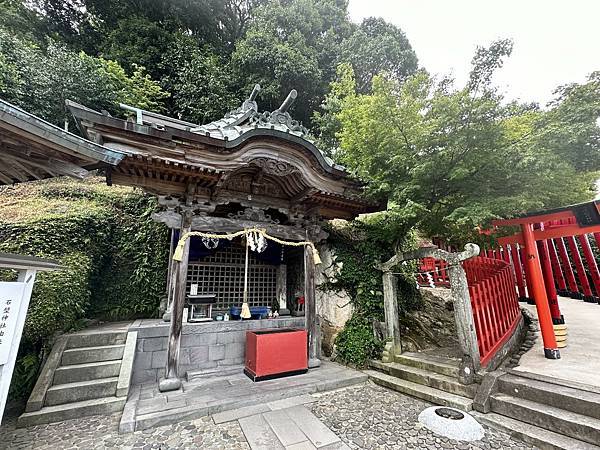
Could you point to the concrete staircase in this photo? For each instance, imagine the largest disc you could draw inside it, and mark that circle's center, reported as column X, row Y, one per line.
column 87, row 373
column 544, row 413
column 430, row 378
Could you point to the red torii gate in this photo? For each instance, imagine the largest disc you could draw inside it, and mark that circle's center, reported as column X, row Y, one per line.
column 538, row 230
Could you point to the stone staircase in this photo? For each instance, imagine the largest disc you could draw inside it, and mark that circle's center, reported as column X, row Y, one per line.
column 544, row 413
column 86, row 373
column 428, row 377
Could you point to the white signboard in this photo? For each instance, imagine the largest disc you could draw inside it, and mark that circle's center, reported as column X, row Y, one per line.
column 11, row 295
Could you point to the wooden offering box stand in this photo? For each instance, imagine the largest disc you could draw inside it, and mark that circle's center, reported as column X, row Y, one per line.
column 276, row 353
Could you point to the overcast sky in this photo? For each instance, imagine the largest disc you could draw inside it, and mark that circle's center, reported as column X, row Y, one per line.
column 555, row 42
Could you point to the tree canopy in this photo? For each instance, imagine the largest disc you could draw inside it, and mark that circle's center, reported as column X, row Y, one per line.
column 450, row 159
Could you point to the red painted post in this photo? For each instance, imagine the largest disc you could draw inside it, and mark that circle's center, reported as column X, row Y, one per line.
column 529, row 298
column 516, row 260
column 557, row 317
column 532, row 262
column 566, row 263
column 581, row 274
column 561, row 284
column 591, row 263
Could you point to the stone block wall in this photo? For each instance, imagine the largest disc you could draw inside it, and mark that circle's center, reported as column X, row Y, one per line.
column 205, row 345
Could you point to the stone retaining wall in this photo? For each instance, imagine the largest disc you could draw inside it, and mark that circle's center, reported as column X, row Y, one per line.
column 203, row 345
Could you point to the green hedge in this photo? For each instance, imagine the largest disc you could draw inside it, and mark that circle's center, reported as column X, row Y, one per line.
column 114, row 258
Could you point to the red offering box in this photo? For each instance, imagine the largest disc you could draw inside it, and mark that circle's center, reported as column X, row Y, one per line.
column 275, row 353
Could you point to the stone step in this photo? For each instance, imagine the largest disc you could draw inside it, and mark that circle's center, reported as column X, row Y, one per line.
column 192, row 375
column 82, row 390
column 559, row 396
column 96, row 339
column 49, row 414
column 427, row 393
column 539, row 437
column 86, row 371
column 424, row 377
column 443, row 366
column 554, row 419
column 82, row 355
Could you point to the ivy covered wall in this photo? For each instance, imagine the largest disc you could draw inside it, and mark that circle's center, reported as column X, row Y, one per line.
column 114, row 258
column 358, row 247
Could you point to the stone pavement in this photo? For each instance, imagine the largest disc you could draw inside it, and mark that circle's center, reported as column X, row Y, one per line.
column 363, row 417
column 217, row 392
column 579, row 360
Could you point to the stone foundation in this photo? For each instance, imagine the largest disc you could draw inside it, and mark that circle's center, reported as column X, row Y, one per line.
column 203, row 345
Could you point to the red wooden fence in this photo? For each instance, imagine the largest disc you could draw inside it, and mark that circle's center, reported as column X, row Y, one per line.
column 494, row 301
column 437, row 270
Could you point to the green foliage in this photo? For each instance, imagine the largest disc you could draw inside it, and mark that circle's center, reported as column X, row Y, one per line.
column 377, row 47
column 453, row 159
column 114, row 257
column 41, row 79
column 356, row 344
column 200, row 82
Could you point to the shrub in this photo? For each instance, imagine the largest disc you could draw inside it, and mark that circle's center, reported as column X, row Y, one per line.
column 356, row 344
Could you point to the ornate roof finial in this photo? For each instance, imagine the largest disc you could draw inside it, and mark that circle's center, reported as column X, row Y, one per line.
column 250, row 102
column 289, row 101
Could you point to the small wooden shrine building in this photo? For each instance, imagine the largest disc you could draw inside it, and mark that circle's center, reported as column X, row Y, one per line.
column 249, row 169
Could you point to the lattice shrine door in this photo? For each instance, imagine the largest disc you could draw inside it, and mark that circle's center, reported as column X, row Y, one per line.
column 222, row 274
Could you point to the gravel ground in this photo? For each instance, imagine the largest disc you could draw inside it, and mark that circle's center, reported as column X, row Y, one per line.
column 372, row 417
column 101, row 432
column 365, row 417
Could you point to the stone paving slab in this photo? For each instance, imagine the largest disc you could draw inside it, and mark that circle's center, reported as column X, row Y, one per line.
column 259, row 434
column 219, row 393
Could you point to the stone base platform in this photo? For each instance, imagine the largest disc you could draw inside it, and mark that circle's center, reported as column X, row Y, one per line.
column 147, row 407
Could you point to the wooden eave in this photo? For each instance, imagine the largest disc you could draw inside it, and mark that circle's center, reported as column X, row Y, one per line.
column 163, row 160
column 33, row 149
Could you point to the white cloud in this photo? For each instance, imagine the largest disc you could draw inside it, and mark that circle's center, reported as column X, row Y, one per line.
column 556, row 42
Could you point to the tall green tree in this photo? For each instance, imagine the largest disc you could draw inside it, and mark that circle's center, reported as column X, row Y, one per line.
column 452, row 159
column 40, row 80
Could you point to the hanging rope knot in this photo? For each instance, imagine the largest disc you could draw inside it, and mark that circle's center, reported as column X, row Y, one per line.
column 256, row 240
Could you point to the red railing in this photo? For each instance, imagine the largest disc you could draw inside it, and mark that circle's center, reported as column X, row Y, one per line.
column 436, row 268
column 494, row 301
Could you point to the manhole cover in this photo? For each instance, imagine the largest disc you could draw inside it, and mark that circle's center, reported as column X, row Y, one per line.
column 448, row 413
column 451, row 423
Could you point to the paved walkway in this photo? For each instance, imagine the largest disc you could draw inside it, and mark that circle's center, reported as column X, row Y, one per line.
column 218, row 392
column 360, row 417
column 579, row 360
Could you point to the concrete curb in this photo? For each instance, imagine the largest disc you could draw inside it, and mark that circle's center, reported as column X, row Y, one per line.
column 38, row 395
column 127, row 365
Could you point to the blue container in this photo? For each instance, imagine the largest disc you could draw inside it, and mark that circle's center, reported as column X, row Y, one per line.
column 257, row 312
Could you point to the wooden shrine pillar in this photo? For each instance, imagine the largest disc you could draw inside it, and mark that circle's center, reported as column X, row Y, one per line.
column 390, row 304
column 548, row 274
column 588, row 296
column 592, row 266
column 311, row 324
column 171, row 381
column 566, row 264
column 518, row 271
column 538, row 291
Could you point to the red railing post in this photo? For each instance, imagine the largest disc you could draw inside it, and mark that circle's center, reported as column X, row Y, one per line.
column 529, row 299
column 581, row 274
column 568, row 268
column 591, row 263
column 532, row 262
